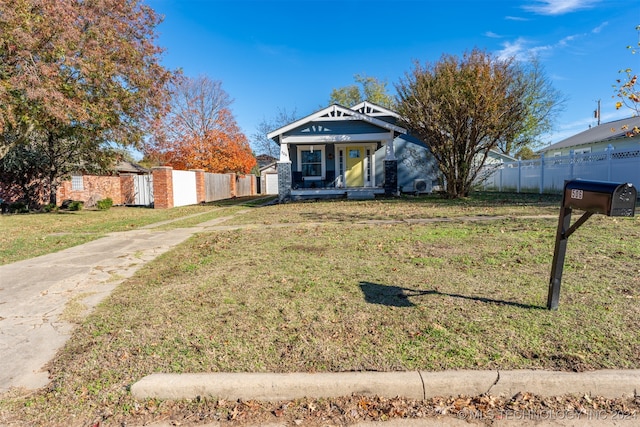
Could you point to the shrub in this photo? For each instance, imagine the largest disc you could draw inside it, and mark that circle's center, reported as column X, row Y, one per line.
column 18, row 207
column 104, row 204
column 76, row 205
column 51, row 207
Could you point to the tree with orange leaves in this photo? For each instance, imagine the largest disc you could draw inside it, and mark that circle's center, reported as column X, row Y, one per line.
column 200, row 131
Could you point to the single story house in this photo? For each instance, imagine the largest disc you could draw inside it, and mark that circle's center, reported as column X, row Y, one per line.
column 354, row 152
column 598, row 139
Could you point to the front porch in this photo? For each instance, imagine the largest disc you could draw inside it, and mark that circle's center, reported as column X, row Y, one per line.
column 338, row 152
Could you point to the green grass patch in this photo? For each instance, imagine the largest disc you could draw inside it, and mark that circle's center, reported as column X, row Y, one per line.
column 29, row 235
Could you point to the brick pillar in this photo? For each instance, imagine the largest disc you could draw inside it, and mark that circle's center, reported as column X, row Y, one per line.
column 234, row 188
column 201, row 191
column 162, row 187
column 390, row 177
column 284, row 181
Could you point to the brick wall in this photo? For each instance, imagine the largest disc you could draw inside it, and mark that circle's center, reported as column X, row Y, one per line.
column 95, row 188
column 127, row 189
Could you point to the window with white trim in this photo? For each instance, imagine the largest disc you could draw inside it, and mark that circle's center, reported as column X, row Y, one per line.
column 311, row 161
column 582, row 150
column 77, row 184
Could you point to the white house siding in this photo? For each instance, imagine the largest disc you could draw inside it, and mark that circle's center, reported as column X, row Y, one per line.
column 271, row 183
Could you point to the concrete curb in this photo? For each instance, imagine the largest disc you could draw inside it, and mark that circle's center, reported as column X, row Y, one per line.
column 413, row 385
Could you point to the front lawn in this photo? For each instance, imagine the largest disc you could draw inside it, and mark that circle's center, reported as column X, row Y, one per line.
column 343, row 286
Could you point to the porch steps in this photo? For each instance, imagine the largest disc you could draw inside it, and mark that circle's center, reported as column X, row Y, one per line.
column 360, row 195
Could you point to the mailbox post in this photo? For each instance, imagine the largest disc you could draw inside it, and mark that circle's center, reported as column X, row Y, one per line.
column 607, row 198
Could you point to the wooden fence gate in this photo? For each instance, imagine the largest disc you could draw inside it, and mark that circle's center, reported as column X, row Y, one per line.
column 143, row 190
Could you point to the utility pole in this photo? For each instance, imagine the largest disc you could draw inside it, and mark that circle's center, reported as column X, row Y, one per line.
column 596, row 114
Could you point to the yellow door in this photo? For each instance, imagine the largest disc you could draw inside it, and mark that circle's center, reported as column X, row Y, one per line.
column 355, row 170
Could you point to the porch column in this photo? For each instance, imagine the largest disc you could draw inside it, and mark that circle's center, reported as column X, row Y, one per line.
column 390, row 171
column 284, row 152
column 284, row 181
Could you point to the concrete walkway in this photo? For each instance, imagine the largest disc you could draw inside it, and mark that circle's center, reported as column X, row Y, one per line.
column 35, row 293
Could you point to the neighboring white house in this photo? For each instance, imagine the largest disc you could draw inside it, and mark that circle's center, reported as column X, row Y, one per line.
column 269, row 179
column 597, row 139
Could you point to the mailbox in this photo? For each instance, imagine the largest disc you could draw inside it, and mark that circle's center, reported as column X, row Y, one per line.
column 607, row 198
column 592, row 197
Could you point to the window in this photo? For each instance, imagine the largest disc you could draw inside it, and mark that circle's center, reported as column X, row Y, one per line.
column 582, row 150
column 76, row 183
column 311, row 163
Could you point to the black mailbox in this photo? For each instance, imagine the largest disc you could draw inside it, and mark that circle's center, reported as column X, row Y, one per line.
column 607, row 198
column 592, row 197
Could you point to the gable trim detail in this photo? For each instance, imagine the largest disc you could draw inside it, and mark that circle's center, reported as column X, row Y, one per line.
column 336, row 112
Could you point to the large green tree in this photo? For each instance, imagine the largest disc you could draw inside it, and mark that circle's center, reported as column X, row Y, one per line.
column 462, row 108
column 366, row 89
column 78, row 72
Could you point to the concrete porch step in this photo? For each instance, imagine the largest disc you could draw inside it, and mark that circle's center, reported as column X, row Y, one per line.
column 361, row 195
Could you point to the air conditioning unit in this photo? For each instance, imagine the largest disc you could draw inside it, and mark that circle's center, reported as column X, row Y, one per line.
column 422, row 186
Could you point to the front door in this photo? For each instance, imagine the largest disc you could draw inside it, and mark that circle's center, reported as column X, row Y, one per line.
column 355, row 167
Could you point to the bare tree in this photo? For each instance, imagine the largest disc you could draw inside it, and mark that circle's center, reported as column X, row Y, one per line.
column 543, row 102
column 200, row 131
column 262, row 144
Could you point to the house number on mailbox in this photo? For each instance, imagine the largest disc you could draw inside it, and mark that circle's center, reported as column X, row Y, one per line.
column 577, row 194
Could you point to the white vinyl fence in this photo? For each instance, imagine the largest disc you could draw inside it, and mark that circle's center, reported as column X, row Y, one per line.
column 547, row 175
column 184, row 188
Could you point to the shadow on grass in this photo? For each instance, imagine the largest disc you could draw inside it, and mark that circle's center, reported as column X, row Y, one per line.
column 396, row 296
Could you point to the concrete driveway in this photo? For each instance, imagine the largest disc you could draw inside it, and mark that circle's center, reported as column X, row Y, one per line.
column 35, row 292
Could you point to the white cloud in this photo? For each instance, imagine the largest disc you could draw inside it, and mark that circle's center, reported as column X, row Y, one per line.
column 492, row 35
column 515, row 18
column 521, row 49
column 600, row 27
column 517, row 49
column 559, row 7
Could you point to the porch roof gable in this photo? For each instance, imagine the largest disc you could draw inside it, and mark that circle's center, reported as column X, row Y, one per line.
column 374, row 110
column 337, row 112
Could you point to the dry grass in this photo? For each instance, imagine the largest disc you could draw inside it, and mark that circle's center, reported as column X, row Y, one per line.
column 333, row 292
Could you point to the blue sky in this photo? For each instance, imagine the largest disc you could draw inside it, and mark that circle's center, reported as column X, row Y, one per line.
column 286, row 54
